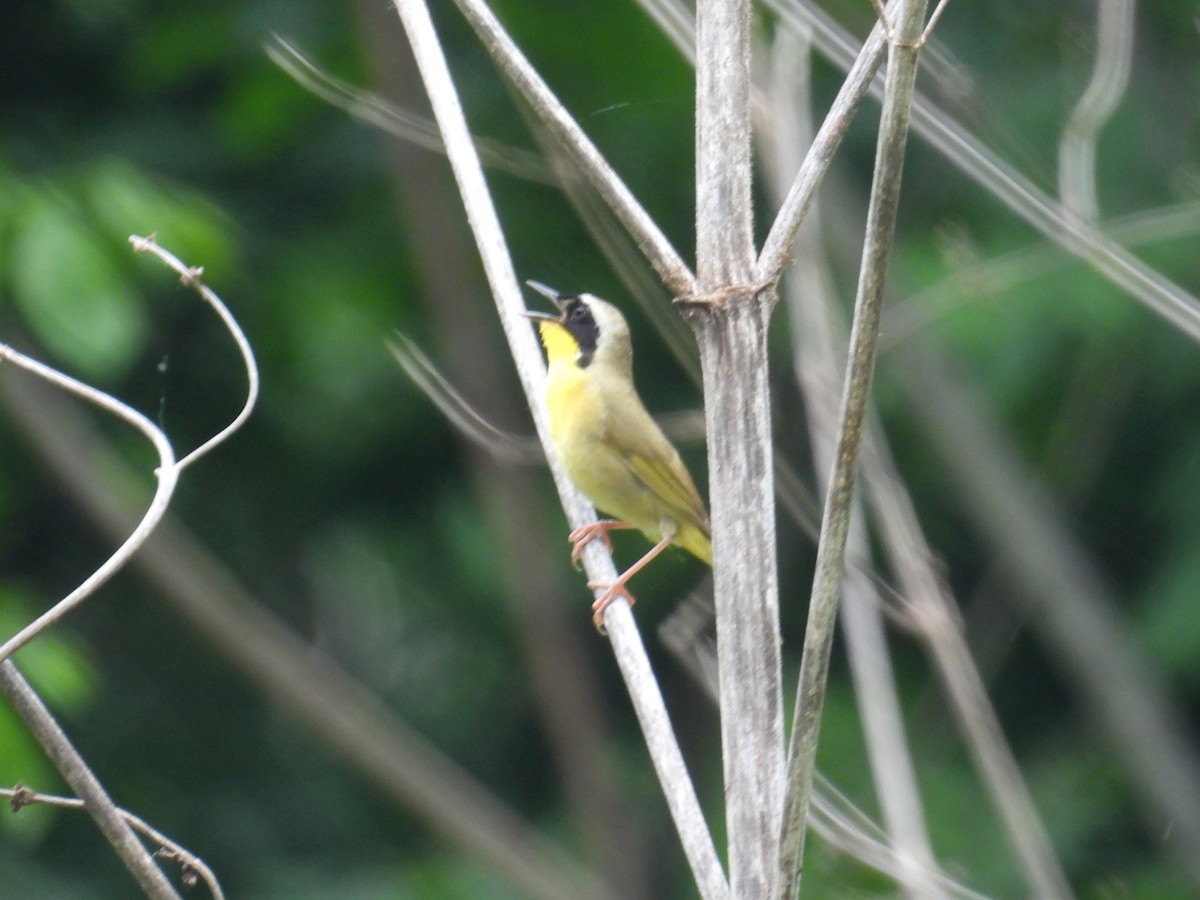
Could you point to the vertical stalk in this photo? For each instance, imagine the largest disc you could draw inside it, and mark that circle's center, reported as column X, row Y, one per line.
column 903, row 56
column 730, row 318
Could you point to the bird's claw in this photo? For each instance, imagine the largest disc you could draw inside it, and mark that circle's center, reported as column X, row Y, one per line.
column 611, row 593
column 585, row 534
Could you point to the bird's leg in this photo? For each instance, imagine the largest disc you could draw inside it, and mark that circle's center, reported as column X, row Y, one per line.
column 584, row 534
column 618, row 589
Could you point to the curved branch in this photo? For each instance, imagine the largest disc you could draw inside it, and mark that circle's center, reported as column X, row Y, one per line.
column 1110, row 78
column 190, row 276
column 168, row 475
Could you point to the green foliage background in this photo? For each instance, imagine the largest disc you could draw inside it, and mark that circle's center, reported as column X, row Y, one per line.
column 348, row 506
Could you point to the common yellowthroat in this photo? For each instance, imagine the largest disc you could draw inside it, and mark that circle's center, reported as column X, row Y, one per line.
column 609, row 445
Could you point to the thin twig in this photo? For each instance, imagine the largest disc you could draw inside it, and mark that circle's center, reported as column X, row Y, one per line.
column 191, row 866
column 818, row 360
column 934, row 18
column 375, row 110
column 83, row 782
column 818, row 639
column 191, row 276
column 167, row 472
column 498, row 444
column 1110, row 78
column 168, row 469
column 626, row 641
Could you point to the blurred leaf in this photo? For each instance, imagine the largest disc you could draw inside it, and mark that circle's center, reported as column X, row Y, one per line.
column 55, row 664
column 185, row 41
column 127, row 202
column 262, row 110
column 70, row 289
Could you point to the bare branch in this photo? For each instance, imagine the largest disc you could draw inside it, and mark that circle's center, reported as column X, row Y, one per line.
column 375, row 110
column 777, row 249
column 76, row 773
column 835, row 524
column 819, row 363
column 191, row 866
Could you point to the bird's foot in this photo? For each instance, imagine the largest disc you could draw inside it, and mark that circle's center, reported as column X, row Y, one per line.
column 585, row 534
column 611, row 593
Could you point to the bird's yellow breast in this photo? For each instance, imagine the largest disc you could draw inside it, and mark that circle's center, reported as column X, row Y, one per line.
column 577, row 414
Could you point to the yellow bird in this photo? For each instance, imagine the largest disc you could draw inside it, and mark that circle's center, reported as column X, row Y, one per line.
column 609, row 445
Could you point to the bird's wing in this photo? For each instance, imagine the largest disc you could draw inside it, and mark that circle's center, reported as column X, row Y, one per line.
column 664, row 474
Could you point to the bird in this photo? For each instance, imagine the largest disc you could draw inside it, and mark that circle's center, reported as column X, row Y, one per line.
column 610, row 447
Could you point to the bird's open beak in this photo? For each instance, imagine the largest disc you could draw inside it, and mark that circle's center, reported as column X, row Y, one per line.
column 549, row 293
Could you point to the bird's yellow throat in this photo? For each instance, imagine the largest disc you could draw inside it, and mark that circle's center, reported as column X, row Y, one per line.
column 560, row 344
